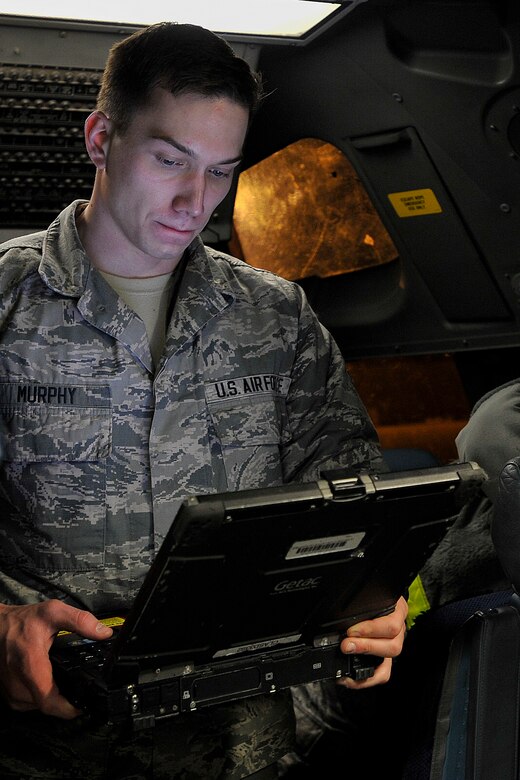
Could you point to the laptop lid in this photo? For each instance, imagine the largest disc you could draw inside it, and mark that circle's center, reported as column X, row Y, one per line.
column 270, row 568
column 252, row 592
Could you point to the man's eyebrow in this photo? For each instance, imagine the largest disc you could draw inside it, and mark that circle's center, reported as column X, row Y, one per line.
column 189, row 152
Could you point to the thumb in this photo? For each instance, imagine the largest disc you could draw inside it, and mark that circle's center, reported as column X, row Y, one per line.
column 81, row 622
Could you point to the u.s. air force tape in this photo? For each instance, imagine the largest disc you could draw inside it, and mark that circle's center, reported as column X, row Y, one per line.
column 257, row 384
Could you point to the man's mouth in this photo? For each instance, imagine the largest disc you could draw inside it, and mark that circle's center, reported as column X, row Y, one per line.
column 174, row 229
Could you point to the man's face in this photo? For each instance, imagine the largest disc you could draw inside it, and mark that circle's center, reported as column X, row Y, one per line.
column 166, row 174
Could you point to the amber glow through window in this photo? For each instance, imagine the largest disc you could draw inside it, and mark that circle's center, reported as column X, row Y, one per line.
column 304, row 212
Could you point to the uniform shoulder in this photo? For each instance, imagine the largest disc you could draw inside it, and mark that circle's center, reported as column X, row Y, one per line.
column 19, row 257
column 19, row 243
column 255, row 283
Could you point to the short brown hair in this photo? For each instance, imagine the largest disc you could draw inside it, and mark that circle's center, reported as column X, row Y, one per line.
column 179, row 58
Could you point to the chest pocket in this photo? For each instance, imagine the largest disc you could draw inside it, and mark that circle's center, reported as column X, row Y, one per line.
column 54, row 476
column 248, row 435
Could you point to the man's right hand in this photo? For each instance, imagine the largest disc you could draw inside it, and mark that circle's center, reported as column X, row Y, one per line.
column 26, row 635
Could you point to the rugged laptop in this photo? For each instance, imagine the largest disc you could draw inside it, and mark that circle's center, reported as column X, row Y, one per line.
column 253, row 591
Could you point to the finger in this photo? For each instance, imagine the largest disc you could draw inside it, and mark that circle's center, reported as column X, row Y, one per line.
column 67, row 618
column 29, row 692
column 54, row 704
column 385, row 648
column 45, row 692
column 380, row 677
column 89, row 626
column 58, row 706
column 387, row 626
column 36, row 688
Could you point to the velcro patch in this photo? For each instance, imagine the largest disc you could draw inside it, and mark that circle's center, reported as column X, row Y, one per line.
column 257, row 384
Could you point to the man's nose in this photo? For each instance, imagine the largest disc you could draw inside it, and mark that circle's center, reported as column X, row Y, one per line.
column 190, row 196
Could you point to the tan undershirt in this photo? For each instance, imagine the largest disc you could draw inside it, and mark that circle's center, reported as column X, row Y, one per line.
column 150, row 299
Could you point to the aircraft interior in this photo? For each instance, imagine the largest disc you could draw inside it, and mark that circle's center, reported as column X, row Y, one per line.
column 381, row 173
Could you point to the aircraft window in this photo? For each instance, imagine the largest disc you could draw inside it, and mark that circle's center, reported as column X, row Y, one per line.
column 304, row 212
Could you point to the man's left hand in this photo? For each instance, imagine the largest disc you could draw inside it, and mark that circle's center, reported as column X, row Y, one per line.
column 383, row 636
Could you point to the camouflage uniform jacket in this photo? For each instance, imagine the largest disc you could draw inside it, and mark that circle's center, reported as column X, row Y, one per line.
column 101, row 446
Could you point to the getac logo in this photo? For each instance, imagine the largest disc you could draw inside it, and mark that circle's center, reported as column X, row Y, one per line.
column 287, row 586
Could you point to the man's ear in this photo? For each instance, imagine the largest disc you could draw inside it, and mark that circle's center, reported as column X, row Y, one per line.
column 97, row 138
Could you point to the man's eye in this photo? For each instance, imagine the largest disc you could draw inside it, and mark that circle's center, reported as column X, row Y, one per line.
column 168, row 163
column 218, row 174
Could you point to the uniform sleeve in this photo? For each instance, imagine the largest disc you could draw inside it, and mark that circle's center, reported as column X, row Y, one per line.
column 328, row 423
column 13, row 591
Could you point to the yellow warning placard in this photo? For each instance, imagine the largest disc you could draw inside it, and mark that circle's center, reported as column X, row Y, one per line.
column 414, row 203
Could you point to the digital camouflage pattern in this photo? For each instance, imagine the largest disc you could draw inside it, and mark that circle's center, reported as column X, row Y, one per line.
column 101, row 446
column 235, row 744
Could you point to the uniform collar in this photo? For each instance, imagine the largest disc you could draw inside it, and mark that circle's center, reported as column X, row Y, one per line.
column 64, row 265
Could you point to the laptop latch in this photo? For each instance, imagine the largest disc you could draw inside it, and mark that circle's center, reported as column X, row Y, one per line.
column 345, row 484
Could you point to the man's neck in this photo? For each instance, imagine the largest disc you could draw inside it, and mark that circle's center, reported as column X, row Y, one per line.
column 106, row 255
